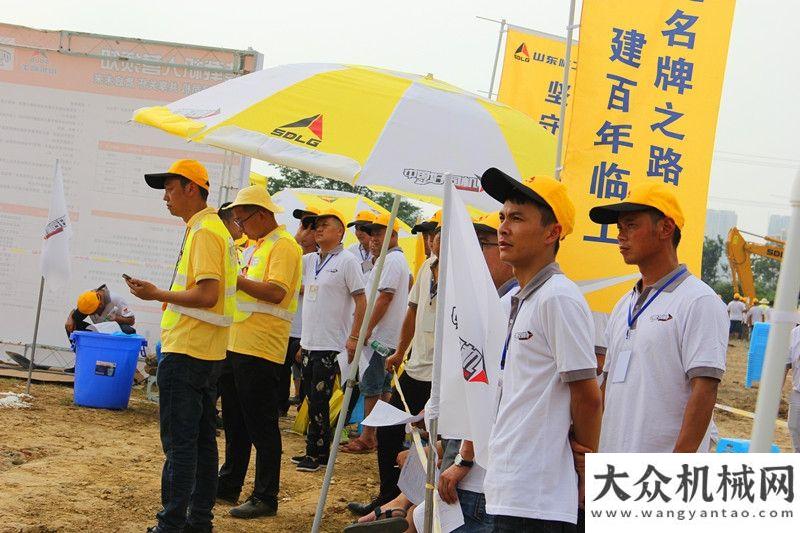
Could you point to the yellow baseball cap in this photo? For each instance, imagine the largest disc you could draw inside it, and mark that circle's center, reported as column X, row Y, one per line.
column 331, row 212
column 382, row 220
column 644, row 195
column 541, row 189
column 307, row 211
column 736, row 296
column 428, row 225
column 488, row 222
column 362, row 218
column 255, row 195
column 88, row 302
column 190, row 169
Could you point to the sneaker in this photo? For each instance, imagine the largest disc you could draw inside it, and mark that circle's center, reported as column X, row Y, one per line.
column 345, row 438
column 253, row 508
column 308, row 464
column 298, row 458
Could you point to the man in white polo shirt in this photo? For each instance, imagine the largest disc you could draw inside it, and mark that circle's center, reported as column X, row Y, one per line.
column 667, row 337
column 333, row 290
column 549, row 377
column 736, row 313
column 361, row 248
column 384, row 325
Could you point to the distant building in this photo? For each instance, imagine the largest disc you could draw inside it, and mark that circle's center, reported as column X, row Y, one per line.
column 778, row 226
column 719, row 222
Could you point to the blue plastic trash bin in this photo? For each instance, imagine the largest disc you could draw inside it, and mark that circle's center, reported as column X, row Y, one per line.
column 755, row 354
column 104, row 368
column 726, row 445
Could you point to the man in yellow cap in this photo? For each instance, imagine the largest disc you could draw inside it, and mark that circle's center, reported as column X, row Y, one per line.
column 667, row 337
column 266, row 300
column 100, row 305
column 548, row 365
column 333, row 309
column 736, row 314
column 198, row 311
column 361, row 248
column 383, row 329
column 427, row 228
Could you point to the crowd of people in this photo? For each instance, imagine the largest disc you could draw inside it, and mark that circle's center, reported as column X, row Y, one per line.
column 247, row 320
column 744, row 313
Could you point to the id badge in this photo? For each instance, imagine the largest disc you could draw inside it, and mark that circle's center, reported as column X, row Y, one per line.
column 311, row 292
column 621, row 366
column 366, row 265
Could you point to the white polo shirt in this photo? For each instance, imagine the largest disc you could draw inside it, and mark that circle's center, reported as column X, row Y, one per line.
column 420, row 365
column 755, row 314
column 682, row 334
column 394, row 279
column 363, row 255
column 116, row 306
column 531, row 472
column 329, row 285
column 736, row 310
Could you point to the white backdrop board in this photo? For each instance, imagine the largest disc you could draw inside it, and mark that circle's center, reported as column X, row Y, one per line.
column 70, row 96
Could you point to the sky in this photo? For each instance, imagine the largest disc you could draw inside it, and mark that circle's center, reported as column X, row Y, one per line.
column 756, row 154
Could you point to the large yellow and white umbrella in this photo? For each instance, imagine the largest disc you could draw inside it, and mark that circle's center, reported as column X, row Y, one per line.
column 390, row 131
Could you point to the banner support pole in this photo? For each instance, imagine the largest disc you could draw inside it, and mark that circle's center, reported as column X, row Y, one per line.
column 362, row 332
column 565, row 90
column 496, row 57
column 783, row 318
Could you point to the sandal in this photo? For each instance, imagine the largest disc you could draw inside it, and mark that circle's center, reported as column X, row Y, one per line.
column 393, row 521
column 357, row 446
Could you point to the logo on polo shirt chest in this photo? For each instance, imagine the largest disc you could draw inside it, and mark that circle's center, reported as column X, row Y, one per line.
column 666, row 317
column 523, row 335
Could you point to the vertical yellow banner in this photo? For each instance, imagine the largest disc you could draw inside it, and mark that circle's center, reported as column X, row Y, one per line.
column 533, row 74
column 646, row 101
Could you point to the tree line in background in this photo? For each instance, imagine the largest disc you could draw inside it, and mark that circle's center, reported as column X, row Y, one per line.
column 716, row 271
column 291, row 178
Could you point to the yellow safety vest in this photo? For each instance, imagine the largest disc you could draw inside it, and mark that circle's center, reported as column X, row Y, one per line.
column 257, row 266
column 173, row 312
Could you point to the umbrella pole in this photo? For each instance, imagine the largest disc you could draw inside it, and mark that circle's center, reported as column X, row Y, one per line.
column 35, row 335
column 433, row 405
column 562, row 114
column 362, row 332
column 783, row 318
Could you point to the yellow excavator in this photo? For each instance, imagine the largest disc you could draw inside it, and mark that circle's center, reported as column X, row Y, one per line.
column 739, row 251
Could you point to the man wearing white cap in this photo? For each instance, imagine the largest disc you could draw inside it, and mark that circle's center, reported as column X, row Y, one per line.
column 667, row 337
column 266, row 301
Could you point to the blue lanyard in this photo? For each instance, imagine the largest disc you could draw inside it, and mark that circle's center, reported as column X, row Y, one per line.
column 361, row 251
column 633, row 317
column 510, row 328
column 318, row 268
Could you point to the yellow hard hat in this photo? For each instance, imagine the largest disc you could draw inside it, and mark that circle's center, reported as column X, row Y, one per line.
column 88, row 302
column 736, row 296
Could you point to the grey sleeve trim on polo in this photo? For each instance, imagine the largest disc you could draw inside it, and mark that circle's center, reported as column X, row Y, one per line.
column 357, row 292
column 788, row 366
column 413, row 305
column 600, row 350
column 578, row 375
column 705, row 372
column 390, row 290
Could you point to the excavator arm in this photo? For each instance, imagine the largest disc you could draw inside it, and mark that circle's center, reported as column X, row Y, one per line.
column 739, row 250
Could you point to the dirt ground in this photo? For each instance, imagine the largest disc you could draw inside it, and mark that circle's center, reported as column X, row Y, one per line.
column 71, row 469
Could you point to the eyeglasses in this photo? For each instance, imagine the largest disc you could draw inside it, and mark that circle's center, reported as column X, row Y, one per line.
column 240, row 223
column 485, row 244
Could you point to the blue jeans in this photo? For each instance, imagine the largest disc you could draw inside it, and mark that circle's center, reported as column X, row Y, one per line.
column 516, row 524
column 473, row 507
column 187, row 396
column 376, row 380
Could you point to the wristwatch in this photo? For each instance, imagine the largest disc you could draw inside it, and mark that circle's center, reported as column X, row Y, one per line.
column 460, row 461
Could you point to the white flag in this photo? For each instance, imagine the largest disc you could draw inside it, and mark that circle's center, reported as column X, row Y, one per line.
column 473, row 335
column 57, row 233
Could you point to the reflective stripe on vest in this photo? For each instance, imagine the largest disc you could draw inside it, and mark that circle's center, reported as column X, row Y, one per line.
column 256, row 268
column 173, row 312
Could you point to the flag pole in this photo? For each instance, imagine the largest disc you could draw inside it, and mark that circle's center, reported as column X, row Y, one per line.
column 362, row 332
column 35, row 335
column 444, row 254
column 562, row 114
column 783, row 318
